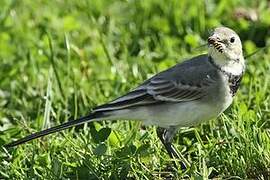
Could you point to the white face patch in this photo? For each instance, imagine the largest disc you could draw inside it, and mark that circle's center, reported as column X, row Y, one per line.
column 228, row 65
column 225, row 48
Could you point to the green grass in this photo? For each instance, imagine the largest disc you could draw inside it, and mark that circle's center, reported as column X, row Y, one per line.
column 59, row 59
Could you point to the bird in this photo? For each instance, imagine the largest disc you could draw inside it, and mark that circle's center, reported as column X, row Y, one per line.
column 191, row 92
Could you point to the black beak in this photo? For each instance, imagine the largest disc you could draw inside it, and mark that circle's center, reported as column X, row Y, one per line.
column 216, row 43
column 211, row 40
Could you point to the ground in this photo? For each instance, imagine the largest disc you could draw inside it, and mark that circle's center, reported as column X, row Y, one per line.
column 59, row 59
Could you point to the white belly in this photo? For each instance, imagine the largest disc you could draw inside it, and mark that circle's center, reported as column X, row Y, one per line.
column 181, row 114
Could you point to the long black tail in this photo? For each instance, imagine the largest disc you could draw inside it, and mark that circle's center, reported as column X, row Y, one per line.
column 60, row 127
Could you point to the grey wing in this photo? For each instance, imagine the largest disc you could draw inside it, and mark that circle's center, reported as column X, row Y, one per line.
column 184, row 82
column 159, row 90
column 174, row 91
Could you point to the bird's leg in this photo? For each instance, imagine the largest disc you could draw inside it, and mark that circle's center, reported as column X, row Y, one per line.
column 166, row 135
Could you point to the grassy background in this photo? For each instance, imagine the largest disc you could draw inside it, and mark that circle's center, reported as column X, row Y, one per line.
column 59, row 59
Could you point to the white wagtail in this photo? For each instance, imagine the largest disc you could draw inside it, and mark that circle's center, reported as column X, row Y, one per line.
column 196, row 90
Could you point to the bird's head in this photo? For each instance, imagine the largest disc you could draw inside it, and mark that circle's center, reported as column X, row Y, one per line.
column 225, row 48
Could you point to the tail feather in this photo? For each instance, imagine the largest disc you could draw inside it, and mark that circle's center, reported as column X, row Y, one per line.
column 60, row 127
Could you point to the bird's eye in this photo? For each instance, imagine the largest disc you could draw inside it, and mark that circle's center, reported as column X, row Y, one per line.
column 232, row 39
